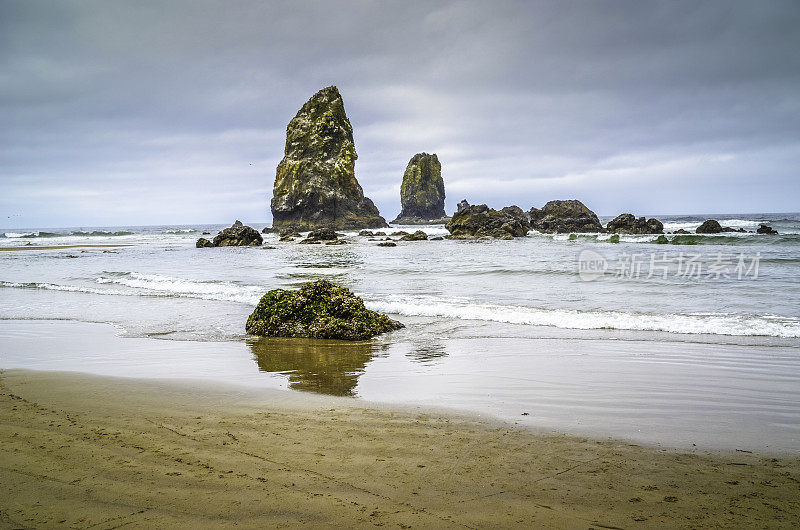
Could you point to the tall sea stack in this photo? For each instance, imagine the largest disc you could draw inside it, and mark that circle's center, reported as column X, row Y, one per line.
column 422, row 191
column 315, row 183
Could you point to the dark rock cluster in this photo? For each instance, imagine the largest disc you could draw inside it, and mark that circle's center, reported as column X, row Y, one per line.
column 628, row 223
column 480, row 221
column 237, row 235
column 564, row 217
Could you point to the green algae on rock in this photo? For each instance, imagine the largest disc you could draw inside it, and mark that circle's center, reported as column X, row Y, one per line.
column 315, row 183
column 422, row 191
column 319, row 310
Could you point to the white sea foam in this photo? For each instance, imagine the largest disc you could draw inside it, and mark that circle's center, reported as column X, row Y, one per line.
column 715, row 324
column 16, row 235
column 210, row 290
column 138, row 284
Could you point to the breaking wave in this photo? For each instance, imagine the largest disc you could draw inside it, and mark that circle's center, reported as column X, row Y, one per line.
column 137, row 284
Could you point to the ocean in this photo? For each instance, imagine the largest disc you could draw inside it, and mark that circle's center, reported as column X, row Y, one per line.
column 696, row 341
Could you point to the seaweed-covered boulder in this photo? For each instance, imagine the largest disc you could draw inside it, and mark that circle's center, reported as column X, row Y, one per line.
column 419, row 235
column 766, row 229
column 477, row 221
column 322, row 234
column 711, row 226
column 203, row 243
column 315, row 183
column 563, row 217
column 422, row 191
column 627, row 223
column 237, row 235
column 320, row 310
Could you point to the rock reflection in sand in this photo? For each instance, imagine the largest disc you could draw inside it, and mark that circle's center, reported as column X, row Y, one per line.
column 323, row 366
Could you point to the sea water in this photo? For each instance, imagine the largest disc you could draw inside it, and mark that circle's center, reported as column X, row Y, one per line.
column 679, row 342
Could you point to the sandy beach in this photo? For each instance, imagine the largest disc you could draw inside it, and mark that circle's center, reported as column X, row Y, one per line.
column 88, row 451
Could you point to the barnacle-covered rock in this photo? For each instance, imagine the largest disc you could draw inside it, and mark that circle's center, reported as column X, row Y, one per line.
column 321, row 310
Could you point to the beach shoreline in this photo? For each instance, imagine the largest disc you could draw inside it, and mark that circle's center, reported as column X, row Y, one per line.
column 86, row 450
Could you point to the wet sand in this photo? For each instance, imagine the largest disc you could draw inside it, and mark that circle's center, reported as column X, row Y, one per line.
column 85, row 451
column 57, row 247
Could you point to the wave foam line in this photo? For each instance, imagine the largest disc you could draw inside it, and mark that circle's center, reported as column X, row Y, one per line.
column 573, row 319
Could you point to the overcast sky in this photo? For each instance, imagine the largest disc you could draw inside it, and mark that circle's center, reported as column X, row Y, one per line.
column 115, row 113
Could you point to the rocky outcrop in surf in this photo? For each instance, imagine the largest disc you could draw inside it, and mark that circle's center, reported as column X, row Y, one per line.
column 237, row 235
column 422, row 192
column 710, row 226
column 564, row 217
column 765, row 229
column 480, row 221
column 628, row 223
column 320, row 310
column 315, row 183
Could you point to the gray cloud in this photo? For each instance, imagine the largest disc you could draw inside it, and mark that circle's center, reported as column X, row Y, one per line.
column 155, row 112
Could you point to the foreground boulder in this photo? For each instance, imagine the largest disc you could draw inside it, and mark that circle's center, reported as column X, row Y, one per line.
column 472, row 222
column 422, row 192
column 315, row 183
column 564, row 217
column 237, row 235
column 320, row 310
column 627, row 223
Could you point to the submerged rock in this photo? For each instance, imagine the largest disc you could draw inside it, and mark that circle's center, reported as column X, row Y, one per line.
column 471, row 222
column 710, row 226
column 422, row 191
column 315, row 183
column 627, row 223
column 766, row 229
column 237, row 235
column 320, row 310
column 563, row 217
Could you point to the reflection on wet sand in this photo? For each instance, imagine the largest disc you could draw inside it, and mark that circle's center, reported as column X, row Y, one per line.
column 323, row 366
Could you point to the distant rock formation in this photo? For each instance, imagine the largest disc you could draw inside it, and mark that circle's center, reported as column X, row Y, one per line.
column 320, row 310
column 564, row 217
column 237, row 235
column 422, row 192
column 315, row 183
column 765, row 229
column 473, row 222
column 711, row 226
column 627, row 223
